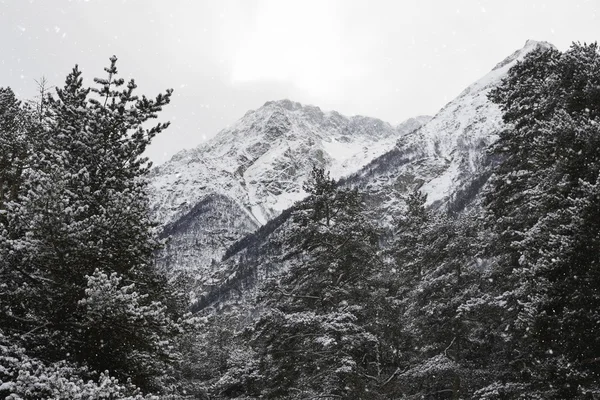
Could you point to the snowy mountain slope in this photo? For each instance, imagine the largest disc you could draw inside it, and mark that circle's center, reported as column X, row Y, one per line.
column 447, row 152
column 262, row 159
column 259, row 165
column 443, row 157
column 197, row 240
column 412, row 124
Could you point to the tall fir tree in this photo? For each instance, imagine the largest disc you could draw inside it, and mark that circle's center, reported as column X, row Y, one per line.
column 314, row 339
column 80, row 241
column 543, row 209
column 437, row 273
column 15, row 145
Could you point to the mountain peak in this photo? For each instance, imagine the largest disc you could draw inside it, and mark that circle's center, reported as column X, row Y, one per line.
column 530, row 45
column 262, row 160
column 284, row 103
column 287, row 106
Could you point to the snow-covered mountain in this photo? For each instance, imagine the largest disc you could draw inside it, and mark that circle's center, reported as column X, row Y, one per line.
column 261, row 160
column 255, row 169
column 446, row 158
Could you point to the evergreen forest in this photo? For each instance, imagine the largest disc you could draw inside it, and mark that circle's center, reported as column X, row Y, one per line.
column 498, row 298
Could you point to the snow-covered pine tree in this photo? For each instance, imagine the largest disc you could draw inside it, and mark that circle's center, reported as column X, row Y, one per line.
column 543, row 207
column 434, row 274
column 81, row 239
column 17, row 144
column 313, row 339
column 409, row 246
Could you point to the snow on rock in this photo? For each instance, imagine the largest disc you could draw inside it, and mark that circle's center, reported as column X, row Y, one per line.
column 447, row 151
column 253, row 170
column 262, row 160
column 465, row 127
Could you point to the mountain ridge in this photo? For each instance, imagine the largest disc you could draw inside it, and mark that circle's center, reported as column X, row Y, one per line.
column 444, row 158
column 255, row 169
column 441, row 156
column 259, row 140
column 259, row 164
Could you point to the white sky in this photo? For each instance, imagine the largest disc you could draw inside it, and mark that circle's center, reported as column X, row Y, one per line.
column 385, row 59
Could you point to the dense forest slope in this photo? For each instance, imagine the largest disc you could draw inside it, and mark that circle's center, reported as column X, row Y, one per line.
column 461, row 264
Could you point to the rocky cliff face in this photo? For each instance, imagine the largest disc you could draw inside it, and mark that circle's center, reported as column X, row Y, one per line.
column 214, row 194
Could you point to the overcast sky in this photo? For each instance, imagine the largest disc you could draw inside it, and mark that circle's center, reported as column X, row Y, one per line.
column 385, row 59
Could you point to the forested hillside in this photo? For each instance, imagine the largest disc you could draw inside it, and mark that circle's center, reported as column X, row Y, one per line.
column 498, row 301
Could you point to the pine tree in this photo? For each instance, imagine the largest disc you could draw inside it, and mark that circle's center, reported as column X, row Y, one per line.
column 436, row 274
column 543, row 209
column 314, row 338
column 80, row 230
